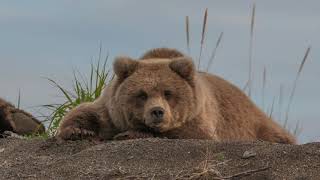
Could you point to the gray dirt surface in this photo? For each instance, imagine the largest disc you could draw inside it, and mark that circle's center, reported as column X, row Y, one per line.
column 155, row 158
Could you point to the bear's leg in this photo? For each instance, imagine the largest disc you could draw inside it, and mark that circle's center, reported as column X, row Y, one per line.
column 83, row 122
column 272, row 132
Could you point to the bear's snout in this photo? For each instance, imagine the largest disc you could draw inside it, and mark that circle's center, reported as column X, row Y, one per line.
column 157, row 114
column 155, row 117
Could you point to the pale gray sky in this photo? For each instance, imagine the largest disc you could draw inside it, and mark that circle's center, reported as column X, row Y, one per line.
column 48, row 38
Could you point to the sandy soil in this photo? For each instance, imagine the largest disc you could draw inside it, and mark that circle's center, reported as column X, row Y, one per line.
column 156, row 159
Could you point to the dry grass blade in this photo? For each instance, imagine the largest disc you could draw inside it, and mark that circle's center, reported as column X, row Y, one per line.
column 264, row 83
column 203, row 35
column 253, row 18
column 19, row 99
column 272, row 107
column 100, row 52
column 280, row 102
column 304, row 60
column 245, row 86
column 297, row 130
column 295, row 84
column 213, row 55
column 246, row 173
column 188, row 34
column 251, row 48
column 207, row 169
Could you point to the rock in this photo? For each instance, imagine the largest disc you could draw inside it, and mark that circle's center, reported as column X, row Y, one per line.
column 10, row 134
column 249, row 154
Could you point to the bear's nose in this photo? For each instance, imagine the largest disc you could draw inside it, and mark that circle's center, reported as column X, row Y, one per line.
column 157, row 113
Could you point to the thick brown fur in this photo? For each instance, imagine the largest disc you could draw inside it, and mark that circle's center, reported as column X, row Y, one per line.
column 163, row 95
column 17, row 120
column 162, row 53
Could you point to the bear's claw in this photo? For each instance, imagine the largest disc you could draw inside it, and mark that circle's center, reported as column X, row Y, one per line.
column 73, row 133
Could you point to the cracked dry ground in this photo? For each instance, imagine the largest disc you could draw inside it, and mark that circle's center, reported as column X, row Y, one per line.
column 156, row 159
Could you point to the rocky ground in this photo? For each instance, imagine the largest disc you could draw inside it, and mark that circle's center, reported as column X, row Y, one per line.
column 156, row 159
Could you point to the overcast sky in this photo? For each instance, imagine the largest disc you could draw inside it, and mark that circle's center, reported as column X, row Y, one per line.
column 50, row 38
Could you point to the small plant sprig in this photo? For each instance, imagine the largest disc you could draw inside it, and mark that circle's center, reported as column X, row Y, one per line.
column 84, row 90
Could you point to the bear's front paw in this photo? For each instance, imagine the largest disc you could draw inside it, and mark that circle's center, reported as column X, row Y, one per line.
column 75, row 133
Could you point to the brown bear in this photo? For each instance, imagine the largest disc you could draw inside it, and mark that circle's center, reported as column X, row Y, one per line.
column 17, row 120
column 163, row 95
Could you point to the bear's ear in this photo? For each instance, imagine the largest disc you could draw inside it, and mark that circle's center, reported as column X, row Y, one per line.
column 124, row 66
column 184, row 67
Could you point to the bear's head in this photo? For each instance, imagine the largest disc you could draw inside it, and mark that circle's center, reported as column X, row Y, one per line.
column 157, row 94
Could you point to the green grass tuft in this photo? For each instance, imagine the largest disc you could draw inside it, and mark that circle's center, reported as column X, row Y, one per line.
column 84, row 90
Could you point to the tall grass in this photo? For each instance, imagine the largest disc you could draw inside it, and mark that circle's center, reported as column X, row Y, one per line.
column 264, row 83
column 305, row 57
column 203, row 37
column 203, row 34
column 280, row 101
column 213, row 54
column 83, row 90
column 250, row 75
column 19, row 100
column 188, row 34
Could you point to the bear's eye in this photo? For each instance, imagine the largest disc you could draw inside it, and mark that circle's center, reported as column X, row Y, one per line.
column 142, row 95
column 167, row 94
